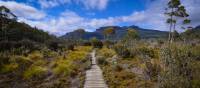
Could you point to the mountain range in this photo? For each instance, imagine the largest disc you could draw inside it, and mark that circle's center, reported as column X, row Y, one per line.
column 119, row 33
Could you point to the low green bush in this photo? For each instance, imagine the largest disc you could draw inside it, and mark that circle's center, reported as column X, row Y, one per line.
column 102, row 61
column 70, row 47
column 122, row 51
column 96, row 43
column 19, row 47
column 147, row 51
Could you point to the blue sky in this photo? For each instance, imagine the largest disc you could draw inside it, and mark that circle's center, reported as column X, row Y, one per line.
column 61, row 16
column 115, row 8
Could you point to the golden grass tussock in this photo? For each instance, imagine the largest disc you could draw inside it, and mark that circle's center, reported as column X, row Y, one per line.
column 107, row 53
column 34, row 71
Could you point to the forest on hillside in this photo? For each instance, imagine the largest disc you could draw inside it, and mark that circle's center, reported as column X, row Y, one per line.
column 33, row 58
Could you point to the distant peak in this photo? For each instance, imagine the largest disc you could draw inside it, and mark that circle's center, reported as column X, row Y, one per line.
column 197, row 27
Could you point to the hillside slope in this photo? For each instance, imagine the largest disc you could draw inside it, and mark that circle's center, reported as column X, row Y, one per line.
column 192, row 33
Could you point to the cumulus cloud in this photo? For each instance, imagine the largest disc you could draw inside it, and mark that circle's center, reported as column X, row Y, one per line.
column 23, row 10
column 193, row 7
column 88, row 4
column 69, row 21
column 94, row 4
column 153, row 16
column 52, row 3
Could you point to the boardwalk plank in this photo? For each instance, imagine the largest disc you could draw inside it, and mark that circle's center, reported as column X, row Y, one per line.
column 94, row 77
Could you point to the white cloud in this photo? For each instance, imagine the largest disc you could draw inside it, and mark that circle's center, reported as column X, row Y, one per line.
column 193, row 7
column 95, row 4
column 23, row 10
column 88, row 4
column 69, row 21
column 52, row 3
column 154, row 16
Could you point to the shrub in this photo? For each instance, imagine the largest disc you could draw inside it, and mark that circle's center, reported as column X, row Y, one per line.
column 54, row 45
column 108, row 43
column 28, row 45
column 40, row 62
column 147, row 51
column 6, row 45
column 66, row 66
column 63, row 67
column 195, row 73
column 47, row 53
column 9, row 68
column 77, row 55
column 19, row 46
column 96, row 43
column 152, row 70
column 70, row 47
column 102, row 61
column 119, row 77
column 106, row 53
column 122, row 51
column 34, row 71
column 177, row 64
column 195, row 51
column 84, row 48
column 23, row 62
column 195, row 83
column 118, row 68
column 86, row 43
column 4, row 59
column 20, row 59
column 80, row 53
column 35, row 55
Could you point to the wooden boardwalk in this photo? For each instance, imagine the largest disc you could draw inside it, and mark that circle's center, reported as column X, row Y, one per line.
column 94, row 77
